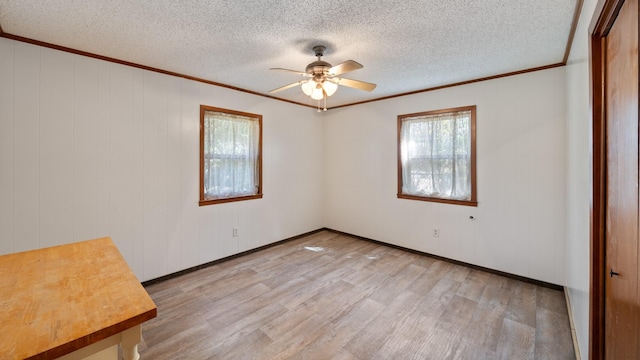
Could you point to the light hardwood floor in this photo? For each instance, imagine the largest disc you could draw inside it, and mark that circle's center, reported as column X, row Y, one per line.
column 331, row 296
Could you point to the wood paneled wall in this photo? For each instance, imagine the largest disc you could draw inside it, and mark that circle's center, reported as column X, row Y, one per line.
column 90, row 148
column 519, row 224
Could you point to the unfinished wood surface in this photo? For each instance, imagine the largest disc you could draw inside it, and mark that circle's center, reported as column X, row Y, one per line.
column 57, row 300
column 331, row 296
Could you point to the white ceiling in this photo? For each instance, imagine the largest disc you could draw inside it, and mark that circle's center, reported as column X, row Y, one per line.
column 404, row 45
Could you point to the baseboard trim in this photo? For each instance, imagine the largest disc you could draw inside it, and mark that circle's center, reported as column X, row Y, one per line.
column 214, row 262
column 574, row 337
column 457, row 262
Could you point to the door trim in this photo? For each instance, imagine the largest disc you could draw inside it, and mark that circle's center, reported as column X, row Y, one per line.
column 604, row 17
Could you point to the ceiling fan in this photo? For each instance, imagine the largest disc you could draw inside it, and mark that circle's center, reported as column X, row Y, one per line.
column 324, row 78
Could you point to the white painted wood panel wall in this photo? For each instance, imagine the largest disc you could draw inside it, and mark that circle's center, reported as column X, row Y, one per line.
column 579, row 180
column 519, row 224
column 90, row 148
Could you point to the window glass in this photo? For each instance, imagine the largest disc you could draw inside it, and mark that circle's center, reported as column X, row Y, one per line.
column 230, row 155
column 436, row 155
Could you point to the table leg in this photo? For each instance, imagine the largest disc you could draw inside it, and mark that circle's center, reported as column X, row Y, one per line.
column 130, row 340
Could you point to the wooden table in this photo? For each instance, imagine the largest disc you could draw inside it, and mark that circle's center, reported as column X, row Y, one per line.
column 73, row 301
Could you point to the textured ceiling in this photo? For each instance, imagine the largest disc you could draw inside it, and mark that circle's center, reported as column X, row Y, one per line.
column 404, row 45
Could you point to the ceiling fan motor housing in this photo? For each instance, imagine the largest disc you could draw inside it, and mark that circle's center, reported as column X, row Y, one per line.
column 318, row 68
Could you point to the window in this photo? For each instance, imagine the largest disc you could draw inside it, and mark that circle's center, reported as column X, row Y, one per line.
column 436, row 156
column 230, row 155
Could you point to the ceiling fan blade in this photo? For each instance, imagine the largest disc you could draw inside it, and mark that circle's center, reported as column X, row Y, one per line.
column 286, row 87
column 356, row 84
column 345, row 67
column 292, row 71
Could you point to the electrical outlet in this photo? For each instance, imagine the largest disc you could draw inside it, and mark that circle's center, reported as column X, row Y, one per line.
column 436, row 232
column 235, row 232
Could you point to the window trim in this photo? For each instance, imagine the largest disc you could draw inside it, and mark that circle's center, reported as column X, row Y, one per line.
column 474, row 191
column 205, row 201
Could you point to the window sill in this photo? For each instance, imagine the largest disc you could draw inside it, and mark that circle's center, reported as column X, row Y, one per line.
column 438, row 200
column 226, row 200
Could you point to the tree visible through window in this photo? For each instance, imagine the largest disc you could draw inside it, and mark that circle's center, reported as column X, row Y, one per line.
column 436, row 156
column 230, row 155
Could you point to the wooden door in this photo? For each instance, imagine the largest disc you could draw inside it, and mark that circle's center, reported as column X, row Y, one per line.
column 622, row 300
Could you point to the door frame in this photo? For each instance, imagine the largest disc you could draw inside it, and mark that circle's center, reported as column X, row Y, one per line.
column 604, row 16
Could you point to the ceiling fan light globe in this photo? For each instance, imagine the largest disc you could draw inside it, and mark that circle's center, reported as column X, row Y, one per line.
column 308, row 86
column 317, row 94
column 329, row 87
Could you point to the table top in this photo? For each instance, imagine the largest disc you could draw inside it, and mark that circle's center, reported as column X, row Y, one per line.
column 56, row 300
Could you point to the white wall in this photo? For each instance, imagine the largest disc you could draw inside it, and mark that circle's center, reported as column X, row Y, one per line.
column 579, row 177
column 91, row 148
column 519, row 224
